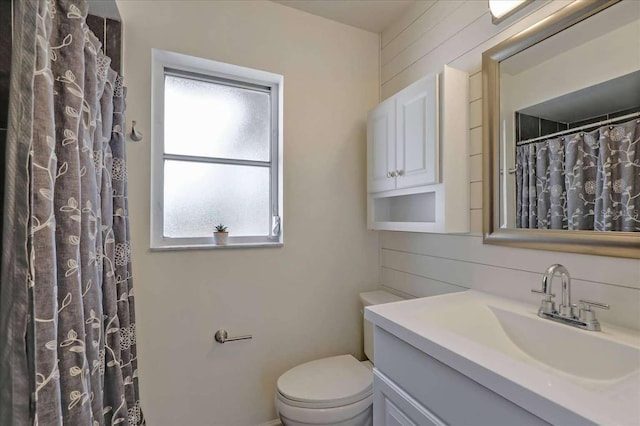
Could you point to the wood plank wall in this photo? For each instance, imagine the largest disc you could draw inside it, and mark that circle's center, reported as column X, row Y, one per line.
column 433, row 33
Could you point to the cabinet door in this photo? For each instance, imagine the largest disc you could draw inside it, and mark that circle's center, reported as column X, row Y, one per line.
column 393, row 416
column 394, row 407
column 417, row 134
column 381, row 148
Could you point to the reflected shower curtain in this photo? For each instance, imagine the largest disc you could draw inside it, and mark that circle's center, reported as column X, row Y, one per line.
column 67, row 326
column 585, row 180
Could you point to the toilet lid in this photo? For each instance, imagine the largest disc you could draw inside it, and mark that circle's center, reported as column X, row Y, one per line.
column 330, row 382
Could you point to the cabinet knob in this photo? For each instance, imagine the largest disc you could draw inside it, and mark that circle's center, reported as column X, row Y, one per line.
column 400, row 172
column 392, row 174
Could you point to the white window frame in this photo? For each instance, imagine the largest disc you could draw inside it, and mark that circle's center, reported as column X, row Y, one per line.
column 171, row 63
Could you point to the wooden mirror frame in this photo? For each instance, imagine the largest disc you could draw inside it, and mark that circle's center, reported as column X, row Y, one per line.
column 618, row 244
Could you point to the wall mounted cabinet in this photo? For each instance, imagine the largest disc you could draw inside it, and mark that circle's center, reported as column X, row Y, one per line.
column 417, row 157
column 403, row 132
column 381, row 146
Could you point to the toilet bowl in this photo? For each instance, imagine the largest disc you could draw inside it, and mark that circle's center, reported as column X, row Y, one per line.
column 329, row 391
column 334, row 391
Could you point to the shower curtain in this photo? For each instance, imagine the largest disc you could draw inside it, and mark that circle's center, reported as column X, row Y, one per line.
column 585, row 180
column 67, row 325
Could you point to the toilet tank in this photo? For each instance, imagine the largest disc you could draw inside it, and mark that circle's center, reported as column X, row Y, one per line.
column 371, row 298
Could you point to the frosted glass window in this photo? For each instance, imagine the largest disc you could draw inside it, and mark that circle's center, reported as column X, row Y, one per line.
column 215, row 154
column 210, row 119
column 198, row 196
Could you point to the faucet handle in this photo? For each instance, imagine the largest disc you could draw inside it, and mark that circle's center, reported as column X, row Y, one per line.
column 586, row 314
column 588, row 304
column 533, row 290
column 546, row 306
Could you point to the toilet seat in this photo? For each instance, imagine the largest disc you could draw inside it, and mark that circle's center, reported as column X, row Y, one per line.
column 326, row 383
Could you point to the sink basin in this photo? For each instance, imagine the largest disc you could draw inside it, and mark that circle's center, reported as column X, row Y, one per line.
column 504, row 345
column 521, row 334
column 579, row 353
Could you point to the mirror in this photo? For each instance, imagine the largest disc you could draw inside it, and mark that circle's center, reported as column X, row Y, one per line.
column 561, row 131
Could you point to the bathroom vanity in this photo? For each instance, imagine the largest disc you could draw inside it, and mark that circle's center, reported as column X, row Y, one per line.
column 473, row 358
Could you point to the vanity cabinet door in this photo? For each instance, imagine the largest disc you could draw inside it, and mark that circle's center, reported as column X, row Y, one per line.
column 381, row 147
column 438, row 388
column 417, row 134
column 394, row 417
column 394, row 407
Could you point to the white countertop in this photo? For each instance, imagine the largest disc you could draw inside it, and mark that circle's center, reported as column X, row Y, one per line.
column 463, row 331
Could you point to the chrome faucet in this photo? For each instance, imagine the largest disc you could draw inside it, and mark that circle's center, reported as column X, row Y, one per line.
column 565, row 313
column 566, row 309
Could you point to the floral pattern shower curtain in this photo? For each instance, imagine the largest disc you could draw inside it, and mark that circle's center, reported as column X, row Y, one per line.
column 67, row 324
column 585, row 180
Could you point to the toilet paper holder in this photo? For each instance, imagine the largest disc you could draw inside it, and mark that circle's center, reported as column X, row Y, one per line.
column 222, row 336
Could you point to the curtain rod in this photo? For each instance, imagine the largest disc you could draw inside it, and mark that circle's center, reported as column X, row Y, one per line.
column 577, row 129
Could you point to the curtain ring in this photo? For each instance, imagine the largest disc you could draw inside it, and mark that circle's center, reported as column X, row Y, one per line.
column 581, row 134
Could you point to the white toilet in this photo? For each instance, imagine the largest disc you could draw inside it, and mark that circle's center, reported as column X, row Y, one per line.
column 332, row 391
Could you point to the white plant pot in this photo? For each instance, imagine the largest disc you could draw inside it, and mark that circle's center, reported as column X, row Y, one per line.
column 221, row 238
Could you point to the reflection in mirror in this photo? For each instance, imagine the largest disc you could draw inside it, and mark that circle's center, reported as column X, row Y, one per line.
column 561, row 155
column 569, row 148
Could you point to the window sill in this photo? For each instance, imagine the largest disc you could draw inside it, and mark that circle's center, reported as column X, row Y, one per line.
column 216, row 247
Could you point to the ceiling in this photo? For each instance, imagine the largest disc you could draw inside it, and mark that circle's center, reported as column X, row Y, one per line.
column 369, row 15
column 614, row 95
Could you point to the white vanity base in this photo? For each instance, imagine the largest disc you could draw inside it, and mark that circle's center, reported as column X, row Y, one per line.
column 435, row 394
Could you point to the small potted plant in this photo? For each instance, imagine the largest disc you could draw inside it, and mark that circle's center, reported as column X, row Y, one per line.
column 221, row 235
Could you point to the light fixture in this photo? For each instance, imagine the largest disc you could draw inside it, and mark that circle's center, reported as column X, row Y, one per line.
column 502, row 9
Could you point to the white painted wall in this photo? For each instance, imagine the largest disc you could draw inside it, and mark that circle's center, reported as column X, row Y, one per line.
column 300, row 302
column 582, row 66
column 456, row 33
